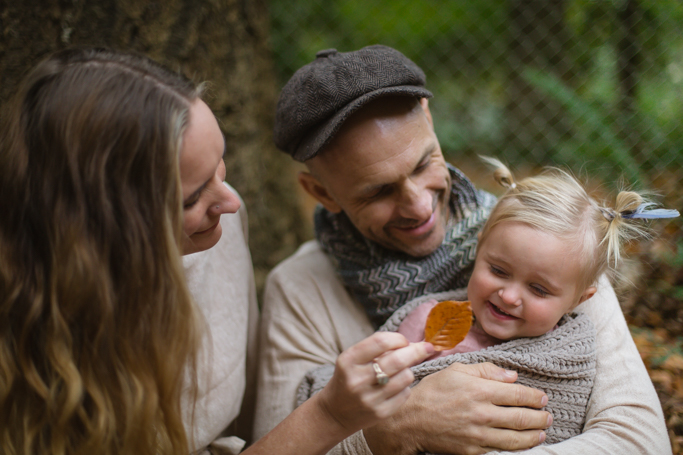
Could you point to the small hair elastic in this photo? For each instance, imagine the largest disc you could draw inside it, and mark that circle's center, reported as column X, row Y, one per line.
column 642, row 213
column 608, row 213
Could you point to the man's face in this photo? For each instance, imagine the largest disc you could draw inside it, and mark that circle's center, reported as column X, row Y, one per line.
column 385, row 170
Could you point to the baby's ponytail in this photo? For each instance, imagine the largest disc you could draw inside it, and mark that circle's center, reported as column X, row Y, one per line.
column 501, row 173
column 619, row 223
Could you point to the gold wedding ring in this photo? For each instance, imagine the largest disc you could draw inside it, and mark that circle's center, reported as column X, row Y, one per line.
column 380, row 375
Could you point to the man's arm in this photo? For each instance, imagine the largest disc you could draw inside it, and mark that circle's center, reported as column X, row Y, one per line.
column 308, row 318
column 624, row 413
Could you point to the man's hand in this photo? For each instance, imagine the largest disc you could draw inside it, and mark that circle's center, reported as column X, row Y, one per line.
column 464, row 409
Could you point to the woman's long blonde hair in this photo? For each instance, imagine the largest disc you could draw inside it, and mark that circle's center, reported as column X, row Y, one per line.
column 556, row 203
column 97, row 327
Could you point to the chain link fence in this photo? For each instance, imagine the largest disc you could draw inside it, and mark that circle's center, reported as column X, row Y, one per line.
column 593, row 85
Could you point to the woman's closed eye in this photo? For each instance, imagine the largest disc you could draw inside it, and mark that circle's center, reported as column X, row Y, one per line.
column 189, row 205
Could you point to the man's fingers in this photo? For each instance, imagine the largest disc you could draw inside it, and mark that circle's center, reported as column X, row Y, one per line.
column 487, row 371
column 520, row 419
column 504, row 394
column 518, row 395
column 514, row 440
column 400, row 359
column 373, row 346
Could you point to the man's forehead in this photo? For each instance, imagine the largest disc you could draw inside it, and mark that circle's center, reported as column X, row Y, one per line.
column 363, row 171
column 368, row 132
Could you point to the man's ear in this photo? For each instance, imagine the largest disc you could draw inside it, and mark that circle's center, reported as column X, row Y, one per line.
column 424, row 102
column 316, row 189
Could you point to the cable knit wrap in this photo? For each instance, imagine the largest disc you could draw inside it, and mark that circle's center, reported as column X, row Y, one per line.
column 560, row 362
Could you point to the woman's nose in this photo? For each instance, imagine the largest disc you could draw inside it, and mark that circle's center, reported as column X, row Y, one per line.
column 225, row 202
column 510, row 296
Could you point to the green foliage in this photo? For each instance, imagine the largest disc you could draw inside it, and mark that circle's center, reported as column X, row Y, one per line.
column 465, row 49
column 595, row 139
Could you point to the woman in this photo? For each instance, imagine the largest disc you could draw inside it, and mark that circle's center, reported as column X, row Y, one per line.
column 112, row 169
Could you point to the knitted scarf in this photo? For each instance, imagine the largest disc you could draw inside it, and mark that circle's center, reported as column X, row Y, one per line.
column 560, row 362
column 382, row 280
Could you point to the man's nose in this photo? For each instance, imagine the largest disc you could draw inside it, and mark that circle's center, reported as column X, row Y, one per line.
column 416, row 202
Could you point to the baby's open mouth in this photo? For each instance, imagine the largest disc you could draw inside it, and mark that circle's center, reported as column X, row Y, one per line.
column 501, row 312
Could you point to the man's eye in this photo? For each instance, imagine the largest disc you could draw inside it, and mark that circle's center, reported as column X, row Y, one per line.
column 378, row 193
column 422, row 166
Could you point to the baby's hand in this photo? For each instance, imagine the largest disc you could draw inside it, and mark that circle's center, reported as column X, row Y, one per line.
column 354, row 398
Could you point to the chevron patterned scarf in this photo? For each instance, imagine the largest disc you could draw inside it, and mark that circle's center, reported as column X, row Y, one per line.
column 382, row 280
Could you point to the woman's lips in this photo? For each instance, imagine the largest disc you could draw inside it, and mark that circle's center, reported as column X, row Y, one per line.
column 209, row 230
column 500, row 314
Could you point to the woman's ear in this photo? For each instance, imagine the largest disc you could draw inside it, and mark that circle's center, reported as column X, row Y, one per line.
column 316, row 189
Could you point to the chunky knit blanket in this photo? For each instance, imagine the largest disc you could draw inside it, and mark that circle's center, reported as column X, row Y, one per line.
column 560, row 362
column 382, row 280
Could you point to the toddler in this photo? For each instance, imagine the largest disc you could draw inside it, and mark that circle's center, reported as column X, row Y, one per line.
column 540, row 254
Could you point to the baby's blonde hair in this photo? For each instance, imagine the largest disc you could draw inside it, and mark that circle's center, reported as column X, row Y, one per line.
column 556, row 203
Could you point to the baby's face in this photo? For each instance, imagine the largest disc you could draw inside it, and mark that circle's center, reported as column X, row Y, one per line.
column 524, row 280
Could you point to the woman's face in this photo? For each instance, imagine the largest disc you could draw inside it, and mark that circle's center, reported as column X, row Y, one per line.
column 202, row 172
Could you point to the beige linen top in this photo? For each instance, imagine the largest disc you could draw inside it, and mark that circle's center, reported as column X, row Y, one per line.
column 221, row 281
column 308, row 318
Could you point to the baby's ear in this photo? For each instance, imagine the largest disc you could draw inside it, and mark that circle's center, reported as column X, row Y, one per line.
column 587, row 294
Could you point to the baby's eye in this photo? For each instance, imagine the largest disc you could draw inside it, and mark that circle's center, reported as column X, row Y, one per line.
column 539, row 291
column 498, row 271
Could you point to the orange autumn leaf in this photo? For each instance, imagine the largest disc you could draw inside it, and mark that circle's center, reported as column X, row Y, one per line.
column 448, row 323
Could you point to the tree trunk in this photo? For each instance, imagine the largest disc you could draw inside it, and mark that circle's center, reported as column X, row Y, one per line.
column 538, row 40
column 629, row 17
column 223, row 42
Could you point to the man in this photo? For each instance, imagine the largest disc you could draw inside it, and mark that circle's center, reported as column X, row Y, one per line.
column 397, row 222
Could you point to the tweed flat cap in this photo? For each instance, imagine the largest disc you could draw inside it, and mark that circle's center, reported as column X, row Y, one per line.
column 323, row 94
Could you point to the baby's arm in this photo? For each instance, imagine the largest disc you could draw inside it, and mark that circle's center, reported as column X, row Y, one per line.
column 624, row 413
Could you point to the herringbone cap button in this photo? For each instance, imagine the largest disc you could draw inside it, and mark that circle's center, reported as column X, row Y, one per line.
column 325, row 53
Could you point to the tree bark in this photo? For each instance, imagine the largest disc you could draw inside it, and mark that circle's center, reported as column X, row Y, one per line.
column 223, row 42
column 629, row 18
column 538, row 39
